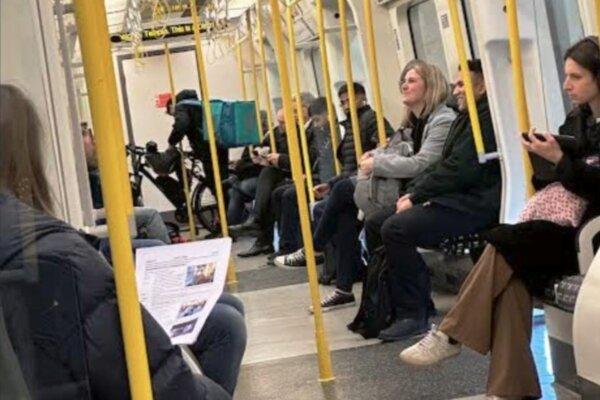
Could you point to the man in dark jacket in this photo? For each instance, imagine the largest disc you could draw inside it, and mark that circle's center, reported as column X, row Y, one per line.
column 189, row 117
column 261, row 221
column 454, row 196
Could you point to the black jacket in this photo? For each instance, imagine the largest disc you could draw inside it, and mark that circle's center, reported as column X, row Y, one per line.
column 72, row 315
column 458, row 180
column 540, row 252
column 346, row 153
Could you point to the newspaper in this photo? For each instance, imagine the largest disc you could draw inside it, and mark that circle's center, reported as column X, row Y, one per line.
column 180, row 284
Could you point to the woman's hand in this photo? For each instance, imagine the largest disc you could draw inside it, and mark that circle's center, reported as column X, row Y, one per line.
column 548, row 149
column 273, row 159
column 366, row 165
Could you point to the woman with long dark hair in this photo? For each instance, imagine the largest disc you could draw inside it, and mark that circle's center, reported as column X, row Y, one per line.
column 494, row 308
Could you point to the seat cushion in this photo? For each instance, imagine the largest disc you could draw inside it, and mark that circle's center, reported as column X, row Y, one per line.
column 566, row 292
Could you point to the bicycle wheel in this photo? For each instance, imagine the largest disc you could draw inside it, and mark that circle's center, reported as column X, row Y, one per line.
column 204, row 204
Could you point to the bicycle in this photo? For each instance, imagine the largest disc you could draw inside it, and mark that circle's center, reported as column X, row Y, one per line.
column 163, row 164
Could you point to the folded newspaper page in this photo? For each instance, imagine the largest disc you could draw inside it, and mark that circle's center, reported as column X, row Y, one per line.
column 180, row 284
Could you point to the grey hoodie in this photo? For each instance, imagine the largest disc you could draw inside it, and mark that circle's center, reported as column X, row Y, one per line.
column 397, row 162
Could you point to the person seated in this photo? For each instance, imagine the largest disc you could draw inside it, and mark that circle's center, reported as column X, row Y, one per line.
column 284, row 197
column 493, row 312
column 455, row 196
column 30, row 235
column 243, row 180
column 276, row 172
column 346, row 155
column 188, row 122
column 385, row 171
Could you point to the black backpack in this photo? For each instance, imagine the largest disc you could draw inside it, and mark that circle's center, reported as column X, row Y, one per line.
column 375, row 311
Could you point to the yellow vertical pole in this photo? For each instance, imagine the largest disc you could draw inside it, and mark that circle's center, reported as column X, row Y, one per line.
column 299, row 109
column 464, row 68
column 254, row 74
column 327, row 82
column 186, row 184
column 265, row 78
column 350, row 80
column 238, row 50
column 104, row 104
column 373, row 72
column 324, row 358
column 231, row 275
column 598, row 18
column 519, row 85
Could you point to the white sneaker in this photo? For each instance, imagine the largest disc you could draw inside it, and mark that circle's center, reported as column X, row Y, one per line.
column 297, row 259
column 432, row 349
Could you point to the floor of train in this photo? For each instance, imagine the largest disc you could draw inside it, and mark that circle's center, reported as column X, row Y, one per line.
column 281, row 363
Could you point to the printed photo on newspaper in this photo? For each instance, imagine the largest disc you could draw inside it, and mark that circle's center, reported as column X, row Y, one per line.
column 180, row 284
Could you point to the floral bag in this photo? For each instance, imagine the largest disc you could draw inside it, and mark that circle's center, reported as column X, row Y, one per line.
column 555, row 204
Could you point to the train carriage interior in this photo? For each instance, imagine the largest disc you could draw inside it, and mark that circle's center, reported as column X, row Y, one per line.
column 444, row 245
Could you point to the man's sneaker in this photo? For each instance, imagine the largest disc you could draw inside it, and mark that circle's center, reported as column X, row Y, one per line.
column 296, row 259
column 432, row 349
column 337, row 299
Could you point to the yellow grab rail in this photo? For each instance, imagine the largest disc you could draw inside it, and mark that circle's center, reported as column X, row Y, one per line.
column 350, row 81
column 231, row 275
column 254, row 76
column 265, row 78
column 104, row 104
column 186, row 184
column 373, row 73
column 299, row 107
column 466, row 75
column 327, row 82
column 598, row 17
column 519, row 86
column 325, row 371
column 238, row 51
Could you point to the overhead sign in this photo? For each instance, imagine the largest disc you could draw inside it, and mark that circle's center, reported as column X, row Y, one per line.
column 168, row 31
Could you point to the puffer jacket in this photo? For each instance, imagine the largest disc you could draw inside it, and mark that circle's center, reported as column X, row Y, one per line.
column 396, row 163
column 70, row 312
column 346, row 154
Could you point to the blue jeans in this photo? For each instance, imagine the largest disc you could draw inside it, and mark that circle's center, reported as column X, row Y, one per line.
column 104, row 246
column 222, row 342
column 335, row 221
column 150, row 224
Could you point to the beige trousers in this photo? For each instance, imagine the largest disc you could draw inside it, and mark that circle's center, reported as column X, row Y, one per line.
column 493, row 314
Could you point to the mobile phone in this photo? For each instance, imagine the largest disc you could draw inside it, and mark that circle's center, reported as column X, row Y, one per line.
column 538, row 136
column 566, row 143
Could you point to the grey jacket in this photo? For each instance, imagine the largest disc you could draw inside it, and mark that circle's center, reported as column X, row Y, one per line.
column 397, row 162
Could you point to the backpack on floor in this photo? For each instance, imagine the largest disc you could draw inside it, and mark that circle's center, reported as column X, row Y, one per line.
column 375, row 311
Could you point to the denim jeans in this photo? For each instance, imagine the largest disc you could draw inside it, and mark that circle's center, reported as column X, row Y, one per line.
column 285, row 205
column 335, row 221
column 222, row 342
column 150, row 224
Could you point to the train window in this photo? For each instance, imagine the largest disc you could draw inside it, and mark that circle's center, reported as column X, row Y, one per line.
column 566, row 28
column 468, row 15
column 426, row 35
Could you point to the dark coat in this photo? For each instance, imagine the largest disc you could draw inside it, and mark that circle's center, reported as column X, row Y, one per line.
column 72, row 314
column 188, row 123
column 458, row 180
column 346, row 154
column 541, row 252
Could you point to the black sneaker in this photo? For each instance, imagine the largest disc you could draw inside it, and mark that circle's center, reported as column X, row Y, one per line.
column 297, row 259
column 337, row 299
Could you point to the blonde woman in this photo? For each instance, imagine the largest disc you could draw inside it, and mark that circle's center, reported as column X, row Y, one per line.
column 417, row 144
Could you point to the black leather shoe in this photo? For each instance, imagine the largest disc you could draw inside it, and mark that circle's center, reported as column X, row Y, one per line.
column 250, row 227
column 404, row 329
column 257, row 249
